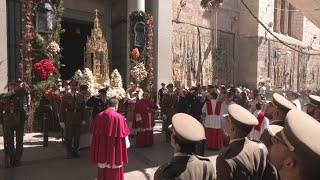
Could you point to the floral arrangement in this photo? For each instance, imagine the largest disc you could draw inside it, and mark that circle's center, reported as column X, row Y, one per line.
column 40, row 55
column 211, row 3
column 85, row 78
column 135, row 53
column 116, row 79
column 149, row 20
column 44, row 68
column 138, row 72
column 116, row 89
column 141, row 56
column 51, row 95
column 53, row 48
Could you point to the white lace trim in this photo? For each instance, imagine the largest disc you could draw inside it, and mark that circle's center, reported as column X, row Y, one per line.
column 105, row 165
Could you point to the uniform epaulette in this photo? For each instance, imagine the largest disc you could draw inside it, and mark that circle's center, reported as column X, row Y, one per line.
column 165, row 166
column 224, row 152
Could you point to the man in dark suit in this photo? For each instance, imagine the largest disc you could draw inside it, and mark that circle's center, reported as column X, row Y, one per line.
column 243, row 159
column 186, row 132
column 98, row 103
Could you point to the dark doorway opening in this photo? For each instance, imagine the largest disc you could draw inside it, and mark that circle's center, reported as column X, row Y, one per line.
column 73, row 42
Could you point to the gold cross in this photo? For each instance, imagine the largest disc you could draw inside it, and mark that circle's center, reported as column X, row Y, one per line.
column 96, row 12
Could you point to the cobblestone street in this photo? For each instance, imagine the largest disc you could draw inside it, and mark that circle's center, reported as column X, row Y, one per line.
column 50, row 164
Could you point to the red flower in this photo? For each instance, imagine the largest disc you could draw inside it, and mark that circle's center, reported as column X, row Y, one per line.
column 44, row 68
column 48, row 94
column 135, row 53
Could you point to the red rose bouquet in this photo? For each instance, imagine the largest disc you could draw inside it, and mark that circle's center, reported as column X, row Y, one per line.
column 44, row 68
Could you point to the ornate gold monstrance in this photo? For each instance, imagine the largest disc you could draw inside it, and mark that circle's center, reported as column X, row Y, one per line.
column 96, row 57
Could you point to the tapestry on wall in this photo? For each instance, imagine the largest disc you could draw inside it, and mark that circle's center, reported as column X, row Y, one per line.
column 191, row 55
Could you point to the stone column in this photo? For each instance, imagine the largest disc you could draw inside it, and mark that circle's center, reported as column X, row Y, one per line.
column 285, row 17
column 162, row 15
column 133, row 5
column 277, row 15
column 3, row 46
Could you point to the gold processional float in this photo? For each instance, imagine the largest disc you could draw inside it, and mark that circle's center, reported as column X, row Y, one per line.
column 96, row 56
column 96, row 65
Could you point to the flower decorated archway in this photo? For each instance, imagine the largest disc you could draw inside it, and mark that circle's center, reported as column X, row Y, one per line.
column 40, row 52
column 141, row 47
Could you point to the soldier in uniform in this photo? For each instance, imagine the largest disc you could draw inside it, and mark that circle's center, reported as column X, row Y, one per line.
column 98, row 103
column 313, row 108
column 243, row 159
column 295, row 150
column 276, row 111
column 71, row 118
column 12, row 112
column 168, row 109
column 186, row 132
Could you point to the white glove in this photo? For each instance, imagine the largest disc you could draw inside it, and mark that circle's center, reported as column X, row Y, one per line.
column 83, row 122
column 62, row 125
column 127, row 142
column 164, row 117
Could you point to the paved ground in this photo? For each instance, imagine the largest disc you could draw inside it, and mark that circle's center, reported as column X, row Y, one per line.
column 50, row 164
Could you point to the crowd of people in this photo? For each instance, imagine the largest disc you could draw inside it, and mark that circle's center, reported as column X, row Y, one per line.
column 257, row 138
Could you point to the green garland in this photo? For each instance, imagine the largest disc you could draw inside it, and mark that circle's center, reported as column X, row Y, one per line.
column 38, row 51
column 146, row 52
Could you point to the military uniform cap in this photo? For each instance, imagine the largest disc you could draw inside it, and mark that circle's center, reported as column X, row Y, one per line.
column 274, row 129
column 300, row 134
column 170, row 85
column 102, row 91
column 314, row 100
column 241, row 117
column 186, row 128
column 282, row 103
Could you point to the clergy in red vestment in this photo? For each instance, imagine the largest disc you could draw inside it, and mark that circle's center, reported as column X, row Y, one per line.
column 109, row 143
column 213, row 123
column 143, row 121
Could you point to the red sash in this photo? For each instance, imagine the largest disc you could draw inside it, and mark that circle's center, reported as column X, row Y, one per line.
column 209, row 107
column 218, row 108
column 260, row 119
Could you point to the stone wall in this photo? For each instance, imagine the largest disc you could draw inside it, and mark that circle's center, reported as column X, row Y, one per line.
column 195, row 59
column 261, row 56
column 3, row 47
column 248, row 41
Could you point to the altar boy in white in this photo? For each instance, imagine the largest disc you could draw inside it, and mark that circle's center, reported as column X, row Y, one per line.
column 256, row 132
column 212, row 122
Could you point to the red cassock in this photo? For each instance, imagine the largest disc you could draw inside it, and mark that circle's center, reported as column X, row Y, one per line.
column 108, row 146
column 143, row 122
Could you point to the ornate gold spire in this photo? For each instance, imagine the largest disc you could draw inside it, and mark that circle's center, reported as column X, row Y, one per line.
column 96, row 58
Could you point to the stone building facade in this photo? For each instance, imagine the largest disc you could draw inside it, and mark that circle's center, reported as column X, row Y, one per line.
column 267, row 57
column 193, row 45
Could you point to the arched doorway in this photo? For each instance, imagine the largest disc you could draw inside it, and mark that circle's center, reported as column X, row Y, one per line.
column 73, row 41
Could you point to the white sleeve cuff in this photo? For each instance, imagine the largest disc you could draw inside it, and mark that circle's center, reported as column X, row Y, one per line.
column 127, row 142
